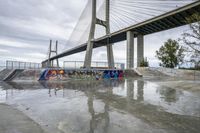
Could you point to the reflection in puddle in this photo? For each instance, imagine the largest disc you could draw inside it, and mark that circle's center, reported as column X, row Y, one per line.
column 105, row 106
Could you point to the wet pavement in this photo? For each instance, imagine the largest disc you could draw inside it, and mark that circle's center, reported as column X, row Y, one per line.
column 110, row 106
column 14, row 121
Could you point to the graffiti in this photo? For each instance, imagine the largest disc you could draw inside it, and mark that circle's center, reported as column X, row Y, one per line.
column 61, row 74
column 113, row 74
column 53, row 74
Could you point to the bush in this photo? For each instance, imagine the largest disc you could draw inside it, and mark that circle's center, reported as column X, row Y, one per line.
column 144, row 63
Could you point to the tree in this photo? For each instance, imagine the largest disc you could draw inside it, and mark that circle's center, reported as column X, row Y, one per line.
column 192, row 38
column 170, row 54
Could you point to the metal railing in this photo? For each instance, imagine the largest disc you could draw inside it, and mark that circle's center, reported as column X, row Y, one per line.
column 2, row 67
column 95, row 64
column 22, row 65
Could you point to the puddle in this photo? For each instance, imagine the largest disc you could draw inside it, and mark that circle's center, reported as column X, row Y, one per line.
column 114, row 106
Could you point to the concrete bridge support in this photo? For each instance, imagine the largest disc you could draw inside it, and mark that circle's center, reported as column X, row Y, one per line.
column 130, row 50
column 111, row 63
column 106, row 24
column 50, row 47
column 110, row 57
column 140, row 49
column 88, row 56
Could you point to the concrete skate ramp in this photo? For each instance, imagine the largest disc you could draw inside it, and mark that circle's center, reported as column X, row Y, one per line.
column 147, row 72
column 28, row 75
column 18, row 74
column 12, row 75
column 132, row 73
column 4, row 73
column 169, row 72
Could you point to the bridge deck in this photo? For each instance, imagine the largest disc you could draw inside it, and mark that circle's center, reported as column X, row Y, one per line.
column 163, row 22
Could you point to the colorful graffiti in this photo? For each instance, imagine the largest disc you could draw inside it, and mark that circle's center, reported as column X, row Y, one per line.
column 61, row 74
column 113, row 74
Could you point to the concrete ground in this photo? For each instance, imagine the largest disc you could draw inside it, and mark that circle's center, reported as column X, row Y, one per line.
column 14, row 121
column 138, row 105
column 156, row 103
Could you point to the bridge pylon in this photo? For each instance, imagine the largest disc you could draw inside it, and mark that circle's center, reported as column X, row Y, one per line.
column 51, row 51
column 90, row 43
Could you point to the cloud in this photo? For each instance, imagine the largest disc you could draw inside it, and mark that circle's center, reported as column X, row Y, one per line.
column 27, row 26
column 4, row 51
column 38, row 26
column 36, row 55
column 15, row 44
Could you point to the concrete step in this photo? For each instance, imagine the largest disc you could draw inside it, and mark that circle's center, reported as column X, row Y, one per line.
column 4, row 73
column 12, row 74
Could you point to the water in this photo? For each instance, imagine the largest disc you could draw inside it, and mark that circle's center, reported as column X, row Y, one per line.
column 112, row 106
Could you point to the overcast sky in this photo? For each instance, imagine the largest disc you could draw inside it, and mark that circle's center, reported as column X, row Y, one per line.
column 27, row 25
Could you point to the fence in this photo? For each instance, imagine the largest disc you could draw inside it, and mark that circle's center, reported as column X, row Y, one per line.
column 22, row 65
column 2, row 67
column 79, row 64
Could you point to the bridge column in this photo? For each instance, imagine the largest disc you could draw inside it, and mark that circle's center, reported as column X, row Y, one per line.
column 51, row 63
column 88, row 56
column 109, row 46
column 140, row 49
column 130, row 50
column 111, row 63
column 44, row 64
column 57, row 53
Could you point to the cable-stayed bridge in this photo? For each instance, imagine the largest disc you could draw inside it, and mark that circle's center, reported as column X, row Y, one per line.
column 103, row 23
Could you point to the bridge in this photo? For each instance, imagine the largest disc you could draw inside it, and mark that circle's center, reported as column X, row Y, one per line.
column 168, row 20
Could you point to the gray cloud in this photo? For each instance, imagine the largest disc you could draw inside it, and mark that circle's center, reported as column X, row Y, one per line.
column 28, row 25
